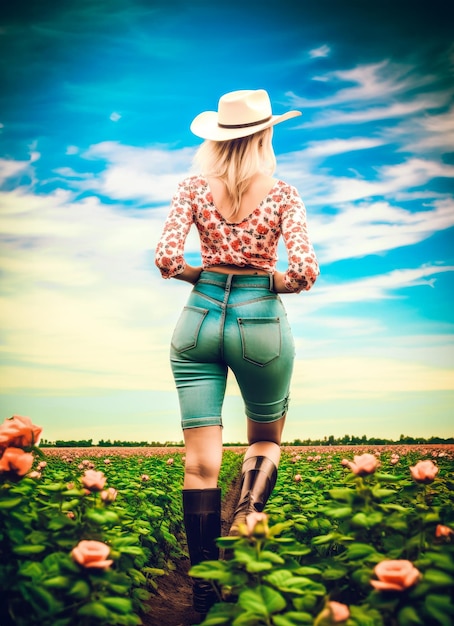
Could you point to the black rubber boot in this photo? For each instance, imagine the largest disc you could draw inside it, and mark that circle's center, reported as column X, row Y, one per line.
column 202, row 521
column 259, row 476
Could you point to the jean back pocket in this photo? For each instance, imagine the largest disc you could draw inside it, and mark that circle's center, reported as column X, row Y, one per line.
column 188, row 327
column 260, row 338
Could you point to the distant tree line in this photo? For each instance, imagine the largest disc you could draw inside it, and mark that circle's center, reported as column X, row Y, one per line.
column 346, row 440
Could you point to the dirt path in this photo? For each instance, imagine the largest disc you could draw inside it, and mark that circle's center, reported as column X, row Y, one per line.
column 172, row 603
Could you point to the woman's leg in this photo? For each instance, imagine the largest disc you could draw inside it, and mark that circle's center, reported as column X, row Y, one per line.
column 259, row 472
column 265, row 439
column 202, row 504
column 203, row 457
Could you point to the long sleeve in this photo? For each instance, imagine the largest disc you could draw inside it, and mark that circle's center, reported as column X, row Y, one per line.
column 303, row 267
column 169, row 255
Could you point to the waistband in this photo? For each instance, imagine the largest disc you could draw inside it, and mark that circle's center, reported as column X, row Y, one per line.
column 237, row 280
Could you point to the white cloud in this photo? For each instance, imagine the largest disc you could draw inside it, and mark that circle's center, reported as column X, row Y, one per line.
column 10, row 168
column 381, row 287
column 149, row 174
column 321, row 52
column 428, row 133
column 318, row 185
column 330, row 147
column 420, row 104
column 375, row 81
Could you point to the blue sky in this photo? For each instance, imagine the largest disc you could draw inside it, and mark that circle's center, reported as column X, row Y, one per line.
column 95, row 109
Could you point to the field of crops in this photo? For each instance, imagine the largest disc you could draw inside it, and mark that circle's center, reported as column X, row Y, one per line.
column 354, row 536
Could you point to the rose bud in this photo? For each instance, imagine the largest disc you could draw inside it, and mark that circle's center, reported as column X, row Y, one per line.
column 363, row 464
column 395, row 575
column 94, row 481
column 16, row 461
column 92, row 554
column 424, row 472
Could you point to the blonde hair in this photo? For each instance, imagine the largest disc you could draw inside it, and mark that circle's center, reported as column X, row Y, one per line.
column 235, row 162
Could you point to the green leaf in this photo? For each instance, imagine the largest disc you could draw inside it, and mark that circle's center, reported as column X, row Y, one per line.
column 94, row 609
column 102, row 517
column 80, row 590
column 389, row 477
column 57, row 523
column 272, row 557
column 380, row 493
column 10, row 503
column 28, row 549
column 278, row 528
column 32, row 569
column 306, row 570
column 359, row 550
column 153, row 571
column 297, row 552
column 42, row 599
column 440, row 607
column 279, row 577
column 339, row 513
column 437, row 577
column 344, row 495
column 274, row 601
column 248, row 619
column 209, row 570
column 254, row 567
column 305, row 603
column 334, row 573
column 118, row 605
column 360, row 519
column 393, row 507
column 442, row 560
column 227, row 542
column 292, row 618
column 57, row 582
column 252, row 601
column 135, row 550
column 408, row 616
column 322, row 539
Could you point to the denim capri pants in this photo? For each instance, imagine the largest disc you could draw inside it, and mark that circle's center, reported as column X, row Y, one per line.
column 236, row 322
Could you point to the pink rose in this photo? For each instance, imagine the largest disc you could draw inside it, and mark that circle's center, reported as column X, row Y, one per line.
column 257, row 524
column 424, row 471
column 19, row 432
column 333, row 613
column 109, row 495
column 17, row 461
column 443, row 531
column 93, row 480
column 363, row 464
column 92, row 554
column 395, row 575
column 339, row 612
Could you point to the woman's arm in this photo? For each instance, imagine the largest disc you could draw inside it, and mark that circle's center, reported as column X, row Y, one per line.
column 279, row 284
column 190, row 274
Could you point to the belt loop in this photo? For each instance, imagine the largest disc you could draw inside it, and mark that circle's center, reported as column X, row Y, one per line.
column 271, row 282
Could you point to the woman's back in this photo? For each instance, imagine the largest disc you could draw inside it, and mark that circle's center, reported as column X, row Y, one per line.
column 258, row 190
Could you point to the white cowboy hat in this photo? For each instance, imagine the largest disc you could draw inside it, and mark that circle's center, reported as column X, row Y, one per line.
column 240, row 113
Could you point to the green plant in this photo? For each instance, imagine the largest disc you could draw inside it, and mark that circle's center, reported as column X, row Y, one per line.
column 375, row 541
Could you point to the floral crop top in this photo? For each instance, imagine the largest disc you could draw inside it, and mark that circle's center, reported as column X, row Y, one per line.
column 251, row 242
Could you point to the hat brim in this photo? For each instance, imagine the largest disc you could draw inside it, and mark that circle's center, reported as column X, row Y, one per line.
column 205, row 125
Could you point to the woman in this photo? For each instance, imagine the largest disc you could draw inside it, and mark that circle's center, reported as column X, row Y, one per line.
column 234, row 318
